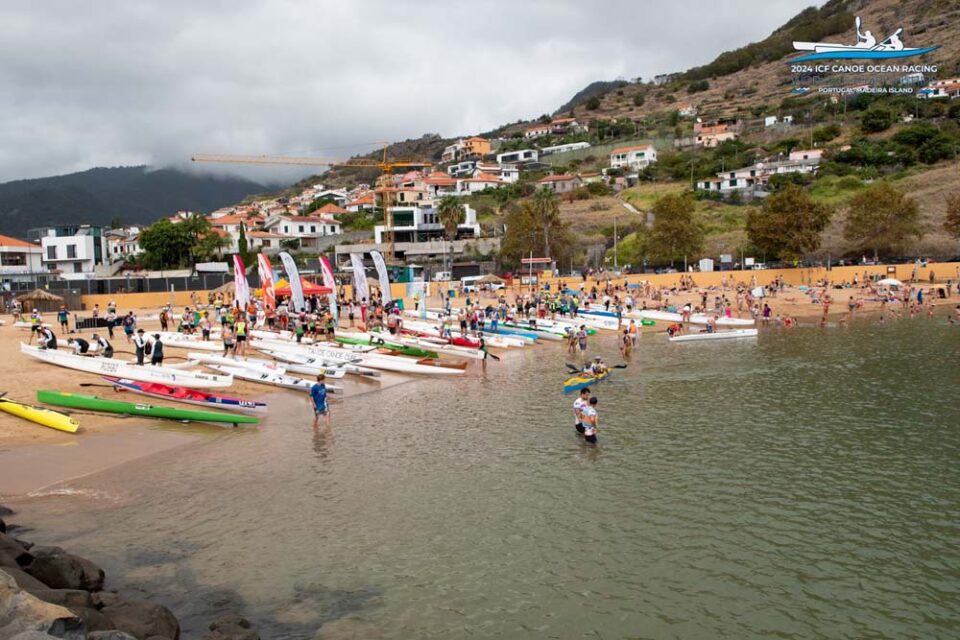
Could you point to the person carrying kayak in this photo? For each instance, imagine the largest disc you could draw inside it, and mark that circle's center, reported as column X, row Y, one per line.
column 103, row 346
column 80, row 346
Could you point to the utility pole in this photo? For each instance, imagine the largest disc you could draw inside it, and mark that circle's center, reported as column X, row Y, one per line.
column 615, row 265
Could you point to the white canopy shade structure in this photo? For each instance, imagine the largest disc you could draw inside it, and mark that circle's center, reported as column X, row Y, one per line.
column 890, row 282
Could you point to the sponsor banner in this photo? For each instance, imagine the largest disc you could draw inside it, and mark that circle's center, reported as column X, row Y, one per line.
column 383, row 275
column 360, row 290
column 265, row 270
column 241, row 288
column 293, row 276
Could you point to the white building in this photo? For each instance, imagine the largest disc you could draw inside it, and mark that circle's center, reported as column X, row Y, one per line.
column 306, row 230
column 123, row 243
column 462, row 169
column 73, row 249
column 806, row 154
column 520, row 156
column 561, row 148
column 755, row 177
column 19, row 258
column 422, row 224
column 466, row 186
column 508, row 173
column 636, row 157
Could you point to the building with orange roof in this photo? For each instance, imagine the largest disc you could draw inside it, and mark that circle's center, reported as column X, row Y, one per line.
column 364, row 202
column 18, row 258
column 560, row 183
column 330, row 209
column 633, row 157
column 466, row 149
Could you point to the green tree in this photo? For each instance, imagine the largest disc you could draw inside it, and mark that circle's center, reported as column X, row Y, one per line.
column 882, row 218
column 165, row 244
column 676, row 232
column 952, row 222
column 242, row 243
column 535, row 226
column 876, row 119
column 116, row 223
column 452, row 214
column 638, row 100
column 788, row 224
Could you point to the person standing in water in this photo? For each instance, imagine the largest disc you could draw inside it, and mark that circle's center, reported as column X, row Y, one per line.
column 582, row 400
column 590, row 421
column 318, row 399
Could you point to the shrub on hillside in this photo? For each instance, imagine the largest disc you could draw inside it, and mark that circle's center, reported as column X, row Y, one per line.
column 826, row 133
column 697, row 86
column 593, row 103
column 638, row 100
column 876, row 119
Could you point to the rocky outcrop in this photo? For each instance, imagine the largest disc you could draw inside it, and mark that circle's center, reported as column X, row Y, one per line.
column 232, row 627
column 143, row 620
column 24, row 615
column 61, row 570
column 46, row 592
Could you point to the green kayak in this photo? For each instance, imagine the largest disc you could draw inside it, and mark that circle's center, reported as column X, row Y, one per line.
column 405, row 349
column 81, row 401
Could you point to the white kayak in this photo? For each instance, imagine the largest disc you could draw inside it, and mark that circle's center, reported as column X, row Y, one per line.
column 696, row 318
column 293, row 359
column 273, row 379
column 26, row 325
column 262, row 366
column 302, row 369
column 716, row 335
column 399, row 364
column 501, row 341
column 119, row 369
column 186, row 341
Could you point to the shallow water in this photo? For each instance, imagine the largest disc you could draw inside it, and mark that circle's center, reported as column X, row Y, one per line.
column 804, row 484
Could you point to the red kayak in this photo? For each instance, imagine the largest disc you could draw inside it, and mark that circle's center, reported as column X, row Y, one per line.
column 182, row 394
column 458, row 341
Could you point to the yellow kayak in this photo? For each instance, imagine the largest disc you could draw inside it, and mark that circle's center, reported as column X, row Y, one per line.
column 45, row 417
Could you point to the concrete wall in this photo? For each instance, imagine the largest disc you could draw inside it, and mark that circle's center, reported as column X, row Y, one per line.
column 943, row 270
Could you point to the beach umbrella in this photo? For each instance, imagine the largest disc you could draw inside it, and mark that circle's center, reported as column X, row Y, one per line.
column 491, row 279
column 890, row 282
column 229, row 287
column 282, row 288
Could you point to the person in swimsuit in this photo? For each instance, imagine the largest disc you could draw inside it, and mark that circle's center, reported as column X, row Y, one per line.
column 590, row 421
column 318, row 399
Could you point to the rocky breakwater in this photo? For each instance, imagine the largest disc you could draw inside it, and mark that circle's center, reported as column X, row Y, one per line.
column 46, row 592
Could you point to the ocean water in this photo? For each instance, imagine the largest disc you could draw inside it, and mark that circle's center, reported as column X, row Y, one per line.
column 803, row 484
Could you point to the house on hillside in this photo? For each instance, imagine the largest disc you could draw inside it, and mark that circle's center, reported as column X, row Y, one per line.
column 422, row 224
column 508, row 173
column 563, row 148
column 461, row 169
column 537, row 131
column 466, row 186
column 560, row 184
column 465, row 149
column 806, row 154
column 439, row 185
column 635, row 157
column 18, row 259
column 949, row 88
column 521, row 156
column 564, row 126
column 265, row 242
column 364, row 202
column 306, row 230
column 753, row 179
column 686, row 110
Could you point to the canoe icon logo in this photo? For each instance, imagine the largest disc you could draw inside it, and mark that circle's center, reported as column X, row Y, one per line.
column 867, row 47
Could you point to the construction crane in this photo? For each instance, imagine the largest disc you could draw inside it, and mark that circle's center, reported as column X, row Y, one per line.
column 385, row 187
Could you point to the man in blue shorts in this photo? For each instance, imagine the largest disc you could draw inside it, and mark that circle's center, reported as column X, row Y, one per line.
column 318, row 397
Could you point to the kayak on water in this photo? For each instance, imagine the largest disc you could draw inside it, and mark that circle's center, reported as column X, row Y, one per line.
column 582, row 381
column 40, row 415
column 93, row 403
column 183, row 394
column 716, row 335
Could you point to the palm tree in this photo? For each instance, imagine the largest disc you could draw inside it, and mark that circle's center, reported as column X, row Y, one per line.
column 452, row 214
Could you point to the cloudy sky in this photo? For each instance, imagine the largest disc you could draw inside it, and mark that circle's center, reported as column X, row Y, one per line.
column 115, row 82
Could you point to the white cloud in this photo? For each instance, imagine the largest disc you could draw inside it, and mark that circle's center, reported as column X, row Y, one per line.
column 116, row 82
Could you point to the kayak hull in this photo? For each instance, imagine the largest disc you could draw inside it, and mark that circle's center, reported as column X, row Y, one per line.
column 40, row 415
column 185, row 395
column 578, row 382
column 93, row 403
column 716, row 335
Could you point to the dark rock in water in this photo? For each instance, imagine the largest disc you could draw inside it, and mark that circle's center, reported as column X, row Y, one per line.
column 5, row 511
column 143, row 620
column 113, row 634
column 103, row 599
column 232, row 627
column 65, row 597
column 24, row 616
column 3, row 526
column 11, row 548
column 62, row 570
column 23, row 543
column 24, row 580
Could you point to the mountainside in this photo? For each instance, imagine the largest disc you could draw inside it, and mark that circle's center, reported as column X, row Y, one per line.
column 97, row 196
column 755, row 79
column 596, row 88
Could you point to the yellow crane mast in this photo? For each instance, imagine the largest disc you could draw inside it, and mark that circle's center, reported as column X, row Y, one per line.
column 385, row 187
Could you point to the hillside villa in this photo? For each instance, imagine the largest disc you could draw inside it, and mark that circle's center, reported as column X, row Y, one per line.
column 635, row 157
